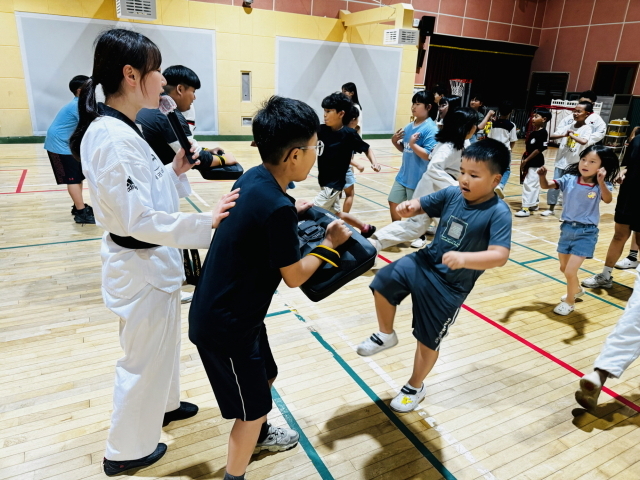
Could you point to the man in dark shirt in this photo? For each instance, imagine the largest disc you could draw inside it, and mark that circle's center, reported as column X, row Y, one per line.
column 340, row 142
column 240, row 276
column 182, row 83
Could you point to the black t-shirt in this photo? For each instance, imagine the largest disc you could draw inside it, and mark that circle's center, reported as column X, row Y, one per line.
column 537, row 140
column 158, row 133
column 339, row 146
column 242, row 268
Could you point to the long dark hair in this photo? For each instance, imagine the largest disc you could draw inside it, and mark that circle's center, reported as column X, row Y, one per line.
column 609, row 161
column 456, row 125
column 454, row 102
column 114, row 49
column 351, row 88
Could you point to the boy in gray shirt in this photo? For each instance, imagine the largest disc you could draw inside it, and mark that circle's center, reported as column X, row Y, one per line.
column 473, row 235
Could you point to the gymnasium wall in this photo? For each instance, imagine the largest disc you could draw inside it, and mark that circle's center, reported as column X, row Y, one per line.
column 576, row 34
column 245, row 40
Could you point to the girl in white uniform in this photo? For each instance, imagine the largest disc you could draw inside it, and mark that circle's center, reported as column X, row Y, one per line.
column 442, row 172
column 136, row 202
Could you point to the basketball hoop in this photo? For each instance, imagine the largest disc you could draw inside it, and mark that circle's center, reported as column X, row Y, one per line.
column 461, row 87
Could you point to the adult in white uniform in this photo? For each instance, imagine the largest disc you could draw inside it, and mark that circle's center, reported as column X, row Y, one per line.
column 136, row 202
column 443, row 170
column 598, row 125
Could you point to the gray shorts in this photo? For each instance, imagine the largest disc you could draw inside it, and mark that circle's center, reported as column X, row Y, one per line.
column 399, row 193
column 435, row 307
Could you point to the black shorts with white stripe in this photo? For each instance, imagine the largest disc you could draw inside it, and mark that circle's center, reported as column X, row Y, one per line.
column 240, row 376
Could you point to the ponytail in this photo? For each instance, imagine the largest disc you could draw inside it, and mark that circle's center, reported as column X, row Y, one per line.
column 114, row 49
column 88, row 112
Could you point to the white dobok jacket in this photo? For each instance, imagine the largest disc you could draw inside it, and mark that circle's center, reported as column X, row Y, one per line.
column 134, row 194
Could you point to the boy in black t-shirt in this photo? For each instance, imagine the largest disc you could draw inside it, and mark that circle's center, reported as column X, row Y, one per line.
column 340, row 142
column 240, row 276
column 532, row 159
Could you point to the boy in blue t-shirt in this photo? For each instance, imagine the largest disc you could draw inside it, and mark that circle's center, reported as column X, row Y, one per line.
column 473, row 235
column 415, row 141
column 66, row 169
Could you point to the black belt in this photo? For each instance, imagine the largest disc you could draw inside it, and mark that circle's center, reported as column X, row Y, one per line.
column 130, row 242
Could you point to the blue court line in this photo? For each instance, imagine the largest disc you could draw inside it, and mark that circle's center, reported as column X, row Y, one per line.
column 277, row 313
column 583, row 269
column 52, row 243
column 431, row 458
column 537, row 260
column 304, row 441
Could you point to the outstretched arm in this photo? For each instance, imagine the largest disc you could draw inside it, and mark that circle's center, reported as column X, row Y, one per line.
column 542, row 173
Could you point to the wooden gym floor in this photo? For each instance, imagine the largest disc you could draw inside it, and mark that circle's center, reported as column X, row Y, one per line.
column 500, row 401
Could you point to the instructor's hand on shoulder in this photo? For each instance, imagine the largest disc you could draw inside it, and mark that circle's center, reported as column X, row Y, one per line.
column 221, row 210
column 337, row 234
column 181, row 164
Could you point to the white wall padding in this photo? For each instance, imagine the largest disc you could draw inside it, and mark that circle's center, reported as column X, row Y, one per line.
column 56, row 48
column 309, row 70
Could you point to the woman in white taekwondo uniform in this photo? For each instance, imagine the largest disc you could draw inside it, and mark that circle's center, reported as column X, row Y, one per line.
column 136, row 201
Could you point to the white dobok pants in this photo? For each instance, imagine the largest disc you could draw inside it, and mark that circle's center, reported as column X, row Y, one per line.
column 531, row 188
column 622, row 346
column 148, row 376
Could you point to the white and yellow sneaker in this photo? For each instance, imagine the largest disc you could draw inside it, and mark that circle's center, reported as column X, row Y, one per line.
column 408, row 399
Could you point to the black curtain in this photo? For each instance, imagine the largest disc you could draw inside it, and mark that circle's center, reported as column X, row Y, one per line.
column 499, row 70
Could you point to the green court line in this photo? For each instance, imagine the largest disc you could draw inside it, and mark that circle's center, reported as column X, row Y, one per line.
column 277, row 313
column 193, row 204
column 583, row 269
column 52, row 243
column 304, row 441
column 564, row 283
column 426, row 453
column 537, row 260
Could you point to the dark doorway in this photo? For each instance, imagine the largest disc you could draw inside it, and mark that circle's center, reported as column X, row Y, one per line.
column 614, row 78
column 499, row 70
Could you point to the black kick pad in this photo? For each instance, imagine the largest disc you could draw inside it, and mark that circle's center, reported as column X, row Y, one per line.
column 228, row 172
column 357, row 255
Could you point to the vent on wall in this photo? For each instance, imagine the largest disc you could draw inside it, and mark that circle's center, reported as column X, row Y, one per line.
column 136, row 9
column 401, row 36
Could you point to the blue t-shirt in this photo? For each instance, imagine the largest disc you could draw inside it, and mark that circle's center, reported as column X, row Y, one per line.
column 581, row 200
column 413, row 167
column 63, row 125
column 463, row 228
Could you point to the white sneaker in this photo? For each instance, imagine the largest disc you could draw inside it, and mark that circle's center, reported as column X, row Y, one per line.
column 499, row 191
column 546, row 213
column 563, row 308
column 186, row 297
column 590, row 388
column 419, row 242
column 432, row 230
column 626, row 263
column 598, row 281
column 278, row 439
column 408, row 399
column 577, row 295
column 374, row 344
column 523, row 213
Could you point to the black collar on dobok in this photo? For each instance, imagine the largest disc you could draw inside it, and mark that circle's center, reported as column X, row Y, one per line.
column 107, row 111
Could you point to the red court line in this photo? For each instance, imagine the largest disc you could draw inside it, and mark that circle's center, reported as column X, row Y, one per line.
column 21, row 182
column 534, row 347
